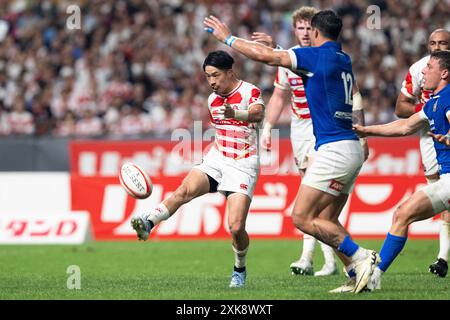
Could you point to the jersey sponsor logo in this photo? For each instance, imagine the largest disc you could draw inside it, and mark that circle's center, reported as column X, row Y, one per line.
column 336, row 185
column 295, row 81
column 343, row 115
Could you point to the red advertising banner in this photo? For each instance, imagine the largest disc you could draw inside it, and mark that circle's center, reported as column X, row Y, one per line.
column 368, row 212
column 391, row 174
column 399, row 156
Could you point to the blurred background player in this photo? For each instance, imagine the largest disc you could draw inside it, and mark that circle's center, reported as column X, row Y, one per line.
column 289, row 89
column 330, row 178
column 435, row 197
column 411, row 100
column 232, row 164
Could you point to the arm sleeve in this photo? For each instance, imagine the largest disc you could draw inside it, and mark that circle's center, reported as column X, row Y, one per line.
column 303, row 58
column 423, row 115
column 255, row 97
column 281, row 79
column 411, row 86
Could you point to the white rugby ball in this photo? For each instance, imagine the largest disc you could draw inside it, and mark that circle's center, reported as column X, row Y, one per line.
column 135, row 181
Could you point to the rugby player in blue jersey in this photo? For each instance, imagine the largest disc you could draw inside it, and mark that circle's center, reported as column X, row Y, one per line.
column 330, row 178
column 434, row 198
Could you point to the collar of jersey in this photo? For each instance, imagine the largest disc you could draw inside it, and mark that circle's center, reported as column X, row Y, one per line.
column 334, row 44
column 443, row 90
column 232, row 91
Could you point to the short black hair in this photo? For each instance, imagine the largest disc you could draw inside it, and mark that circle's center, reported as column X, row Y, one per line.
column 219, row 59
column 328, row 23
column 444, row 58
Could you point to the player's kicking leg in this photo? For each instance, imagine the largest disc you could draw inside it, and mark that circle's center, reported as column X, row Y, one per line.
column 440, row 266
column 194, row 185
column 237, row 207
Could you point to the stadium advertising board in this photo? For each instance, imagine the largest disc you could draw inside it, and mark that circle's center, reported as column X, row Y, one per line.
column 392, row 173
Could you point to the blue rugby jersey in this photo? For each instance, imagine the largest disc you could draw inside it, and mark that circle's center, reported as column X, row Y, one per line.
column 329, row 83
column 437, row 111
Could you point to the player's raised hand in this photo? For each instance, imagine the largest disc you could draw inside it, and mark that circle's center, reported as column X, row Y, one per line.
column 360, row 130
column 263, row 38
column 441, row 138
column 217, row 28
column 218, row 113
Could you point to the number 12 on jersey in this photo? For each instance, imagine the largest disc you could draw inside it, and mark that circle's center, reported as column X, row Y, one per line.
column 348, row 87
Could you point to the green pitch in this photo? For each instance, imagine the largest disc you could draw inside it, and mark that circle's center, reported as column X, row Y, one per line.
column 199, row 270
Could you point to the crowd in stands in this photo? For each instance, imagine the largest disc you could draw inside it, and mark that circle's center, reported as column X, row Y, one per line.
column 134, row 68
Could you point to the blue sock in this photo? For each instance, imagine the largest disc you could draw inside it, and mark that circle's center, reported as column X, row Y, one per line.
column 348, row 247
column 392, row 246
column 351, row 273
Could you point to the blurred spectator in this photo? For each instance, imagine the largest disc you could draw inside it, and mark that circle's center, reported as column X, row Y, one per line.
column 20, row 120
column 66, row 126
column 135, row 67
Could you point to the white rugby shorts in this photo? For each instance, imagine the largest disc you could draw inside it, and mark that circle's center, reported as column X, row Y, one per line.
column 428, row 153
column 303, row 141
column 439, row 193
column 232, row 175
column 335, row 166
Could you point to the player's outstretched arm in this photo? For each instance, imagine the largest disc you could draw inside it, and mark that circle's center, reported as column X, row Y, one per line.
column 399, row 128
column 251, row 49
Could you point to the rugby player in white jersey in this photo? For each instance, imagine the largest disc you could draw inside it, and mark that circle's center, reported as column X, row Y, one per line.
column 289, row 89
column 230, row 167
column 411, row 100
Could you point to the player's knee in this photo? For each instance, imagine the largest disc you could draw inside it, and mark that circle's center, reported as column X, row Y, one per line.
column 401, row 216
column 182, row 194
column 300, row 222
column 236, row 226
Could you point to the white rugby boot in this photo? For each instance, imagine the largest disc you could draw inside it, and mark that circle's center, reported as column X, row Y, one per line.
column 328, row 269
column 348, row 286
column 302, row 267
column 364, row 269
column 238, row 279
column 142, row 226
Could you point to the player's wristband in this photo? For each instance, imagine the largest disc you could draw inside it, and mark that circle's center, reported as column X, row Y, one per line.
column 447, row 136
column 229, row 40
column 241, row 115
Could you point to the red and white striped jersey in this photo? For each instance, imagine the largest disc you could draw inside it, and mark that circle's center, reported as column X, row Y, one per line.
column 412, row 86
column 301, row 123
column 21, row 122
column 234, row 138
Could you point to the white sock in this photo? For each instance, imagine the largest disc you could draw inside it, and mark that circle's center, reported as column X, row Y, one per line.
column 159, row 214
column 239, row 257
column 328, row 253
column 377, row 272
column 309, row 243
column 444, row 240
column 360, row 254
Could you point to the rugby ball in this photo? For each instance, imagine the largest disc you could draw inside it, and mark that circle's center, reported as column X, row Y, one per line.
column 135, row 181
